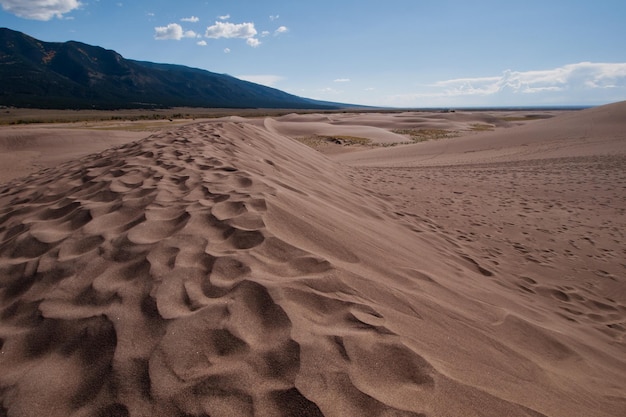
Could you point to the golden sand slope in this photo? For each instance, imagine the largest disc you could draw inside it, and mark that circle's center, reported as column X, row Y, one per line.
column 224, row 270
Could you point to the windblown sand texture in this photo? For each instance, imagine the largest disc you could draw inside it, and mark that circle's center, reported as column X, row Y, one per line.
column 224, row 269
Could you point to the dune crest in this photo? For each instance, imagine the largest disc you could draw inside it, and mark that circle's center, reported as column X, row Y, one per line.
column 221, row 269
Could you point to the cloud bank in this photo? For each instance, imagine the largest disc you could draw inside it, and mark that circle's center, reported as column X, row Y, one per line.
column 40, row 9
column 579, row 83
column 583, row 74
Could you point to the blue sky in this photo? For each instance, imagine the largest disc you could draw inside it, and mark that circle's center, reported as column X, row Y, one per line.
column 406, row 53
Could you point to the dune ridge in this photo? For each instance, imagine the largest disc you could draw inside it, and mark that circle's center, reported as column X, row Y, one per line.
column 223, row 269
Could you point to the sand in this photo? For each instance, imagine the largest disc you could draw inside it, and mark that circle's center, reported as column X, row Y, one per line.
column 225, row 269
column 26, row 149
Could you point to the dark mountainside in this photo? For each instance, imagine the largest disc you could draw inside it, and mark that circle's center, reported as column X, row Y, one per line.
column 41, row 74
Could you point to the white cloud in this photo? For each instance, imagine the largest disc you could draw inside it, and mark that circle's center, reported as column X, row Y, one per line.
column 192, row 19
column 171, row 31
column 201, row 43
column 253, row 42
column 265, row 33
column 469, row 86
column 227, row 50
column 342, row 80
column 40, row 9
column 225, row 17
column 282, row 29
column 274, row 17
column 268, row 80
column 231, row 30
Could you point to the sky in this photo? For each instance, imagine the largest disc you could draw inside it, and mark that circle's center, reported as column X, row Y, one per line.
column 397, row 53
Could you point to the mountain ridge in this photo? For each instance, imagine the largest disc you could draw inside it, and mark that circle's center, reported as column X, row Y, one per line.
column 72, row 74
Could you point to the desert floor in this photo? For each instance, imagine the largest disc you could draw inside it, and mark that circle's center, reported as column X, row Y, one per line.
column 353, row 264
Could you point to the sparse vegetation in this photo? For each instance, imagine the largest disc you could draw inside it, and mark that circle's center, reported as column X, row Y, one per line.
column 481, row 127
column 13, row 115
column 348, row 140
column 316, row 141
column 95, row 118
column 421, row 135
column 416, row 135
column 526, row 117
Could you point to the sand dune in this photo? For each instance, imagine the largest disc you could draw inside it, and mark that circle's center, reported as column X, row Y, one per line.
column 595, row 131
column 225, row 269
column 25, row 149
column 382, row 128
column 306, row 126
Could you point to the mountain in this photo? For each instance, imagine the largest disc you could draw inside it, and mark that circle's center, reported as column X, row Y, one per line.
column 40, row 74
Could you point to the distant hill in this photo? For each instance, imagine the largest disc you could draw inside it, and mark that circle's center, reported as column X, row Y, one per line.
column 41, row 74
